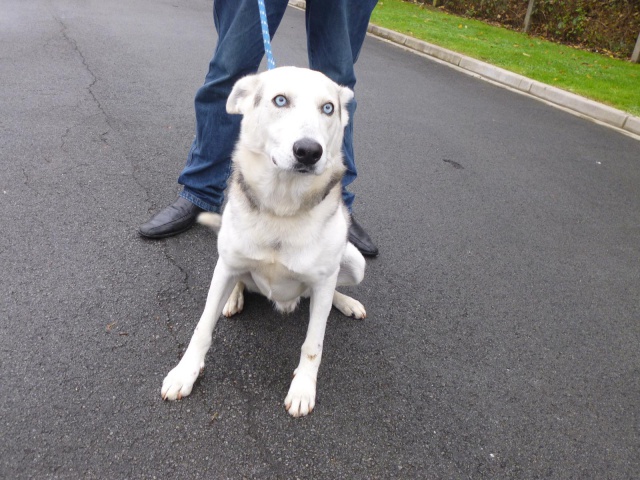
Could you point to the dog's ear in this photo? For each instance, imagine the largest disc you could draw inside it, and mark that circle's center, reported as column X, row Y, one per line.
column 346, row 96
column 242, row 94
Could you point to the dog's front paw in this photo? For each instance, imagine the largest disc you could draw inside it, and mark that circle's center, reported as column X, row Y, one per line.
column 179, row 381
column 302, row 395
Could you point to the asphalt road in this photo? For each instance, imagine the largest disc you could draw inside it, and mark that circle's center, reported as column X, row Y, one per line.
column 503, row 337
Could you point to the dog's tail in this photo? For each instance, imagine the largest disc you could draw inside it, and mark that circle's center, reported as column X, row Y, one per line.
column 211, row 220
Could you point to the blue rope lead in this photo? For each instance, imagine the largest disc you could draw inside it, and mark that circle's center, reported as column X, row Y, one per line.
column 266, row 38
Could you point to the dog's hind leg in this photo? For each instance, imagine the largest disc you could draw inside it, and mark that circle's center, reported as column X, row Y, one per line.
column 351, row 267
column 351, row 273
column 179, row 381
column 348, row 306
column 235, row 304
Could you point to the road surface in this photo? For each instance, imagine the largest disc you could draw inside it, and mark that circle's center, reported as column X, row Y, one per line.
column 502, row 338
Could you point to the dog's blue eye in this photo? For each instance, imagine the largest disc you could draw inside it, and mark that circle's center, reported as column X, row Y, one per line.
column 327, row 108
column 280, row 101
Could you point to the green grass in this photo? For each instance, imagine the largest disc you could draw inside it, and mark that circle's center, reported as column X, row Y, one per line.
column 608, row 80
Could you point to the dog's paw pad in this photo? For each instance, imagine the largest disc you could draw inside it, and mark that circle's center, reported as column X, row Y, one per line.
column 179, row 381
column 350, row 307
column 301, row 397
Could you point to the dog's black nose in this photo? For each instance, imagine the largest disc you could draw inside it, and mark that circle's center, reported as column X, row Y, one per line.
column 307, row 151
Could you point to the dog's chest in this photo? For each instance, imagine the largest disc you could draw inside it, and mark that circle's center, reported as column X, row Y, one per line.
column 277, row 283
column 283, row 257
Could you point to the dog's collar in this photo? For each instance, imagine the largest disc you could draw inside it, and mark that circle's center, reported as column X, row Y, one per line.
column 307, row 204
column 335, row 179
column 247, row 191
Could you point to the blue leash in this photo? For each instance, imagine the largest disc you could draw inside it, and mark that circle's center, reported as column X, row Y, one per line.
column 266, row 38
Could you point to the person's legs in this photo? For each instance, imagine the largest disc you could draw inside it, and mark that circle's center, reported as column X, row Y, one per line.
column 238, row 53
column 335, row 32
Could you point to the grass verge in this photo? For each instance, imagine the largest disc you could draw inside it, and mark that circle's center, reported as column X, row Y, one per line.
column 608, row 80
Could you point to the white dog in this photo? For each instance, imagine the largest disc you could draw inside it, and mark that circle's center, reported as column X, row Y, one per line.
column 283, row 232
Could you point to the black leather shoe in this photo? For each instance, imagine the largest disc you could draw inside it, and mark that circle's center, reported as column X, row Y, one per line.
column 176, row 218
column 361, row 240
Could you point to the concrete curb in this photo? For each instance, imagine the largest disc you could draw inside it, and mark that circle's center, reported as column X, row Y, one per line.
column 555, row 96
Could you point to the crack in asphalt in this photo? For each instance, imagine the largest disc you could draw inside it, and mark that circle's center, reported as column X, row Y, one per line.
column 27, row 181
column 135, row 170
column 164, row 298
column 103, row 135
column 26, row 177
column 165, row 294
column 63, row 140
column 94, row 78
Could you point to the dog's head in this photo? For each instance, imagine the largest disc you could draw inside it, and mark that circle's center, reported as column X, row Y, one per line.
column 294, row 116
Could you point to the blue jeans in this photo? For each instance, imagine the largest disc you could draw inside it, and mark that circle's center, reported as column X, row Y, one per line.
column 335, row 32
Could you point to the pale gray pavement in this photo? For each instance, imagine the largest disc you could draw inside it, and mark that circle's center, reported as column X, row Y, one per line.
column 503, row 338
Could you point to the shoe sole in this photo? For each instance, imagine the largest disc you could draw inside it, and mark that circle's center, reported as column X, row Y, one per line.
column 163, row 235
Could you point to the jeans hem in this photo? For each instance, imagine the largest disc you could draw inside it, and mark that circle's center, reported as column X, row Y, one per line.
column 198, row 202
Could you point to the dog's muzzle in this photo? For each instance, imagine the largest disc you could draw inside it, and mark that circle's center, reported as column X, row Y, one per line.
column 307, row 153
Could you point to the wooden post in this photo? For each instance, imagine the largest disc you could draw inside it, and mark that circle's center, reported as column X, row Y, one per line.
column 527, row 18
column 435, row 3
column 635, row 56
